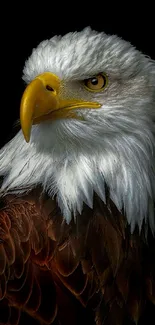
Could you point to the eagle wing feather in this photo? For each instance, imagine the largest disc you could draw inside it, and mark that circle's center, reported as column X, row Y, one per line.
column 92, row 270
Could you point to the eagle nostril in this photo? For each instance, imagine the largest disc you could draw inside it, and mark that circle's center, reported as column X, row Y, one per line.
column 49, row 88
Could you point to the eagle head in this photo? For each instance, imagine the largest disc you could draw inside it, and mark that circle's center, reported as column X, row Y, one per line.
column 87, row 123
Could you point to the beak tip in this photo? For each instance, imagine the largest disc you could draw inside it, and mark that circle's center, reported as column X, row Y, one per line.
column 27, row 137
column 26, row 130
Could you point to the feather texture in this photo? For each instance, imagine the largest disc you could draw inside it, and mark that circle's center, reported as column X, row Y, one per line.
column 92, row 270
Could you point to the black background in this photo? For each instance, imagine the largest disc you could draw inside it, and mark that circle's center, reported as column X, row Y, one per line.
column 24, row 27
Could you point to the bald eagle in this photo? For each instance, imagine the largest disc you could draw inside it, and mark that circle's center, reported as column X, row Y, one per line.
column 77, row 217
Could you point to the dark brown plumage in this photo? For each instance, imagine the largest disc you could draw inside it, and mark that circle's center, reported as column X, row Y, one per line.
column 91, row 272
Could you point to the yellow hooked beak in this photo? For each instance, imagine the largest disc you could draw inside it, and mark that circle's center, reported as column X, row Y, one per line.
column 41, row 102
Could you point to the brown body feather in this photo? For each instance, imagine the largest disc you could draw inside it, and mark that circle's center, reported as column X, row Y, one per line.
column 92, row 271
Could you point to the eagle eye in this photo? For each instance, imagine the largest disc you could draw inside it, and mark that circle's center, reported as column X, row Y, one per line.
column 96, row 83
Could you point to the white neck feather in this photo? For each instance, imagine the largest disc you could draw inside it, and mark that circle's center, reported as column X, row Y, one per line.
column 72, row 160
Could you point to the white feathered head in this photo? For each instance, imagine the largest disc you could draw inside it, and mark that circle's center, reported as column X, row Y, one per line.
column 88, row 118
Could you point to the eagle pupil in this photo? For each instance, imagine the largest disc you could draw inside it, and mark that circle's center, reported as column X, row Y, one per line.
column 94, row 81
